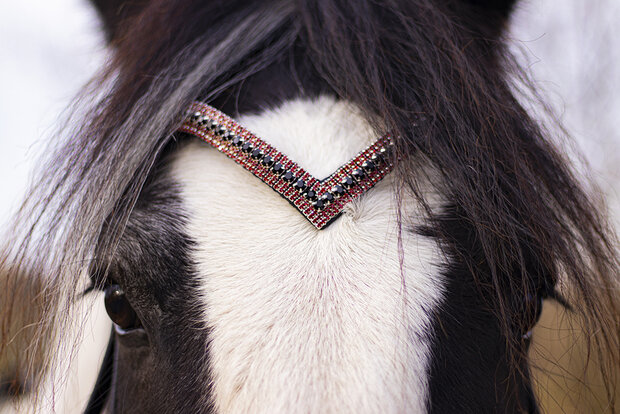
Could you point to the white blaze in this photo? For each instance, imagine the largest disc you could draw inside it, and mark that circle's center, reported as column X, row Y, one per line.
column 302, row 320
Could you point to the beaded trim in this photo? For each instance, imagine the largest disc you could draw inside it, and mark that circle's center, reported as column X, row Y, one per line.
column 320, row 201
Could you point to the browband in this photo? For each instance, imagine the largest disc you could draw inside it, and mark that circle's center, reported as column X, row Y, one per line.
column 320, row 201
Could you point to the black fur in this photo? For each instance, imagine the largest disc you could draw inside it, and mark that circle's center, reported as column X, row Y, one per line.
column 114, row 12
column 470, row 368
column 163, row 372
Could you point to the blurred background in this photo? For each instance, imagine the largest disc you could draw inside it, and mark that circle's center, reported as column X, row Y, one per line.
column 48, row 50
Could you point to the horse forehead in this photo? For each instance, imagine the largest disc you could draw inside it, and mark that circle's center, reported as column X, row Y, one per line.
column 303, row 316
column 245, row 216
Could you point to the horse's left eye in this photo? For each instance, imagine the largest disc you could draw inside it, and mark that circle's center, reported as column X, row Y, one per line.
column 119, row 309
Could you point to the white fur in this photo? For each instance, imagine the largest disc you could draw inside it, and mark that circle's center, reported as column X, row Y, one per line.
column 302, row 320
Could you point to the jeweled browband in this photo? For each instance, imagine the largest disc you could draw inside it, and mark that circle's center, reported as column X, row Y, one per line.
column 320, row 201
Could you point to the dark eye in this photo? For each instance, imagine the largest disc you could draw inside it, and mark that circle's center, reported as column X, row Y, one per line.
column 119, row 309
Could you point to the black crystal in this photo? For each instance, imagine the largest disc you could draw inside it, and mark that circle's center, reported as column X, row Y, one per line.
column 348, row 182
column 338, row 190
column 358, row 174
column 300, row 185
column 319, row 205
column 247, row 147
column 277, row 168
column 327, row 198
column 288, row 176
column 221, row 130
column 267, row 161
column 369, row 166
column 237, row 141
column 311, row 195
column 257, row 154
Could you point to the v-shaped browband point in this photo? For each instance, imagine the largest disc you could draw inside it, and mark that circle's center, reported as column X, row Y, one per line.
column 320, row 201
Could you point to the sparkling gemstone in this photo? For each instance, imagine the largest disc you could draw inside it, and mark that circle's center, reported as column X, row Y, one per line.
column 288, row 176
column 358, row 174
column 277, row 168
column 348, row 182
column 247, row 147
column 195, row 116
column 229, row 136
column 257, row 154
column 385, row 152
column 338, row 190
column 311, row 195
column 220, row 130
column 300, row 185
column 369, row 166
column 237, row 141
column 267, row 161
column 319, row 205
column 327, row 198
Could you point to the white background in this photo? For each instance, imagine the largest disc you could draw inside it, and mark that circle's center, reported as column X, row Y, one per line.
column 48, row 50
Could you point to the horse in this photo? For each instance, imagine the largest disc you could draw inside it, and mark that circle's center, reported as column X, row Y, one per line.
column 306, row 206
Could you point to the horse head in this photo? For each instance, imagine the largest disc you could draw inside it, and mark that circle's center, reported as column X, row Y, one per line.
column 310, row 207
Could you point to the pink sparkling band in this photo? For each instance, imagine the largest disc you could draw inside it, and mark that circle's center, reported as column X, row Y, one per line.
column 320, row 201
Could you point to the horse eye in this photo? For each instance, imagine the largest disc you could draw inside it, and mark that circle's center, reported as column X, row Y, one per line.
column 118, row 308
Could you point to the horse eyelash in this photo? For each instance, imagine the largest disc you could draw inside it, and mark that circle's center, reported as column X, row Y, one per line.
column 88, row 290
column 94, row 285
column 560, row 299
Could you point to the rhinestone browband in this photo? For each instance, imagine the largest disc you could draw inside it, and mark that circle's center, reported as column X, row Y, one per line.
column 320, row 201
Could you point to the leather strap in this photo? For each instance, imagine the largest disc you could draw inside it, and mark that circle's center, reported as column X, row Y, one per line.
column 103, row 386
